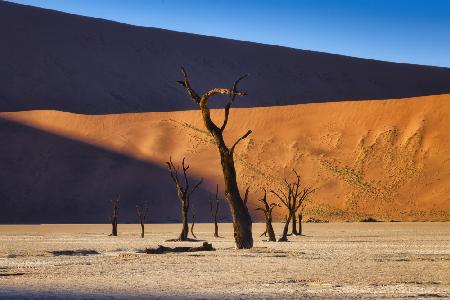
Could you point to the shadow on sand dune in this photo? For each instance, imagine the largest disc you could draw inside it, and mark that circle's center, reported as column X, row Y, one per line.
column 57, row 61
column 46, row 178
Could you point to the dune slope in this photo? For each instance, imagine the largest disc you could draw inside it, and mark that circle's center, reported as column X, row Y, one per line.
column 386, row 159
column 57, row 61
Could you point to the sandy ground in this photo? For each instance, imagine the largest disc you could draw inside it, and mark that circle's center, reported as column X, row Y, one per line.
column 335, row 260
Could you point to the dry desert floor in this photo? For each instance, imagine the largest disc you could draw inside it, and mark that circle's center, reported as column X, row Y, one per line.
column 334, row 260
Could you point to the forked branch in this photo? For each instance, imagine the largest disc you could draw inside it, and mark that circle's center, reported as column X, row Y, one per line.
column 232, row 97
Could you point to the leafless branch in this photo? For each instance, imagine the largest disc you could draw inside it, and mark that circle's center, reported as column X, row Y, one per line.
column 240, row 139
column 246, row 195
column 195, row 187
column 232, row 98
column 188, row 87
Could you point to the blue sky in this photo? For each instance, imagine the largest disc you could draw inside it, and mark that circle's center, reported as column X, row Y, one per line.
column 411, row 31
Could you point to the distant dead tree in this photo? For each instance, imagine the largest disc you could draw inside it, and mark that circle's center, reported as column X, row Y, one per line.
column 267, row 210
column 292, row 199
column 142, row 213
column 184, row 193
column 193, row 222
column 214, row 209
column 300, row 219
column 242, row 222
column 301, row 209
column 115, row 215
column 294, row 230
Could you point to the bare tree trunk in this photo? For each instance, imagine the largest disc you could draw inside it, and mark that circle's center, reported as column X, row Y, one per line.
column 294, row 225
column 193, row 223
column 300, row 218
column 115, row 216
column 215, row 211
column 216, row 228
column 283, row 237
column 270, row 230
column 185, row 227
column 242, row 222
column 114, row 228
column 142, row 230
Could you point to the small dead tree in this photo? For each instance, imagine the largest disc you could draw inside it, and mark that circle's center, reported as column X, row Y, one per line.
column 292, row 199
column 193, row 222
column 294, row 230
column 184, row 193
column 300, row 215
column 267, row 210
column 115, row 215
column 300, row 218
column 214, row 209
column 242, row 221
column 142, row 213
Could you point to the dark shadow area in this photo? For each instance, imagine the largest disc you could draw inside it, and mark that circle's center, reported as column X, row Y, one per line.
column 46, row 178
column 54, row 60
column 16, row 294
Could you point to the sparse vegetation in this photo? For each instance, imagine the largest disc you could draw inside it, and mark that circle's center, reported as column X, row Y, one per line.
column 369, row 220
column 315, row 220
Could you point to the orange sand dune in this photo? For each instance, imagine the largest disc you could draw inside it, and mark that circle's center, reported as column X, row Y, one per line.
column 388, row 159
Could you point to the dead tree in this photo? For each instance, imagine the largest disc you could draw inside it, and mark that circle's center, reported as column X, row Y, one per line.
column 300, row 218
column 242, row 222
column 184, row 193
column 115, row 215
column 294, row 230
column 215, row 211
column 142, row 214
column 193, row 223
column 292, row 198
column 267, row 210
